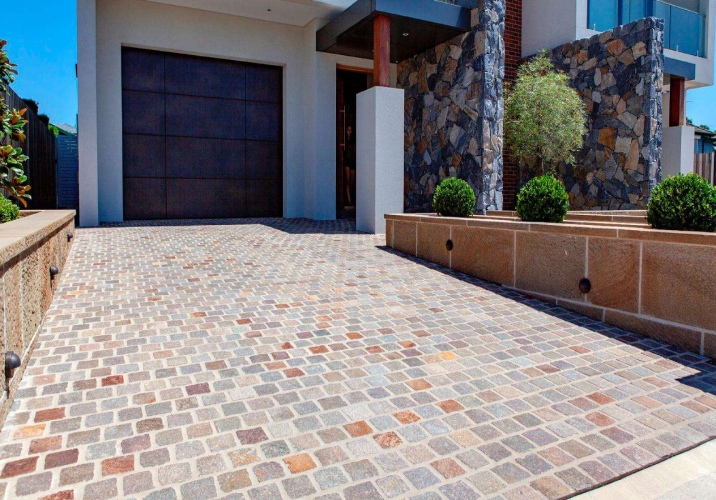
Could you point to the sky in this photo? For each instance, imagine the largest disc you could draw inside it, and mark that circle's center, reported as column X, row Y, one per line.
column 45, row 50
column 43, row 44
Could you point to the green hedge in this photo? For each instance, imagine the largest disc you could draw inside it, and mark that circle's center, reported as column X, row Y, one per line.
column 543, row 199
column 683, row 203
column 454, row 198
column 8, row 210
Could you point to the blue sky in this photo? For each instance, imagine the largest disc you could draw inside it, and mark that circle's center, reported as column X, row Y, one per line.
column 45, row 50
column 42, row 41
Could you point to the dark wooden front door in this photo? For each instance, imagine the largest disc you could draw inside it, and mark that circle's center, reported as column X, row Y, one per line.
column 202, row 137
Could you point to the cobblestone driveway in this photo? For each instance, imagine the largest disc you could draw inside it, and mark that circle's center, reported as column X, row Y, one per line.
column 289, row 358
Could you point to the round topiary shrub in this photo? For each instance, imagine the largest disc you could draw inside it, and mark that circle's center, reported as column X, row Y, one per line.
column 454, row 198
column 683, row 203
column 543, row 199
column 8, row 210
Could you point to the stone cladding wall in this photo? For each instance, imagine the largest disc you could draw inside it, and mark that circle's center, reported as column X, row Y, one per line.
column 619, row 75
column 454, row 110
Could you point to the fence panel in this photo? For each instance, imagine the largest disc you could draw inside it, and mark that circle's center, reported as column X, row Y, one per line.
column 704, row 167
column 67, row 173
column 40, row 147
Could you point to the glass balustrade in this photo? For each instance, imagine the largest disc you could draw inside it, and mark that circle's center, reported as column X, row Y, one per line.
column 684, row 30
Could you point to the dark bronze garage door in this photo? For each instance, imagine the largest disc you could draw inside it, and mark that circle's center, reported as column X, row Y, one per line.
column 201, row 137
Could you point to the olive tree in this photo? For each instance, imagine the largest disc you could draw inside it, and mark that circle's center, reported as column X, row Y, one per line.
column 544, row 116
column 12, row 128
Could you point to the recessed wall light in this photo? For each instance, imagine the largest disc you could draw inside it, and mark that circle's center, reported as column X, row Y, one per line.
column 406, row 34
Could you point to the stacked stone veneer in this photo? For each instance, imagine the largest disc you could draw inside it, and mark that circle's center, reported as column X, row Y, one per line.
column 453, row 112
column 619, row 75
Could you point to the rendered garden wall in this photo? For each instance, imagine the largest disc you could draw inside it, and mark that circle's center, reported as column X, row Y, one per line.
column 656, row 283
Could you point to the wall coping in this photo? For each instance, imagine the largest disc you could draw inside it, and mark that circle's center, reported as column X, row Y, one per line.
column 598, row 229
column 19, row 235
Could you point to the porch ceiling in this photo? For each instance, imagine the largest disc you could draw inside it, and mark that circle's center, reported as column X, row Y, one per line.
column 415, row 27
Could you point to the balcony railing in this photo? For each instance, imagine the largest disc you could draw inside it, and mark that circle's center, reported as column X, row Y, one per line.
column 684, row 30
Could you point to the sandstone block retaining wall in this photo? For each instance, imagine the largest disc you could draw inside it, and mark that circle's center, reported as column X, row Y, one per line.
column 28, row 247
column 651, row 282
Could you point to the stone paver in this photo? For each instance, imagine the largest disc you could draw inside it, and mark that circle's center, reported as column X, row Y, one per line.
column 285, row 359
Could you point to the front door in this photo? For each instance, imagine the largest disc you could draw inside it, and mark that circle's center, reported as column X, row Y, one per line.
column 349, row 83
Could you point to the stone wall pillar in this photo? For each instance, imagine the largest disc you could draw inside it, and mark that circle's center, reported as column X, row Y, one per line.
column 454, row 110
column 488, row 21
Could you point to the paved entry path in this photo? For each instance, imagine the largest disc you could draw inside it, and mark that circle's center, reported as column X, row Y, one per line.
column 286, row 359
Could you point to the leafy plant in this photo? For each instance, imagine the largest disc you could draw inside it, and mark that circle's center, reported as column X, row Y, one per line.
column 12, row 127
column 544, row 116
column 683, row 203
column 454, row 198
column 8, row 210
column 543, row 199
column 44, row 119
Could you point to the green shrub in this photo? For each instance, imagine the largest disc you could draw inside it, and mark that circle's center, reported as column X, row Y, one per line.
column 454, row 198
column 683, row 203
column 8, row 210
column 543, row 199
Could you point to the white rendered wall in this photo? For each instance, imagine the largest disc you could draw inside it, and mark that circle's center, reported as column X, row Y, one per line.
column 677, row 155
column 309, row 134
column 546, row 24
column 379, row 157
column 87, row 115
column 320, row 125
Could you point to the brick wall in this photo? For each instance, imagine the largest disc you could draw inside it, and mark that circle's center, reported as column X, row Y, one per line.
column 513, row 55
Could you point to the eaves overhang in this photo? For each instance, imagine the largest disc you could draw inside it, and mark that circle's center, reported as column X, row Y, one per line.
column 416, row 26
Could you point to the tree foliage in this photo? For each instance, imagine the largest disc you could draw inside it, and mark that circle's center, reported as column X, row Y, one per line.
column 544, row 116
column 12, row 127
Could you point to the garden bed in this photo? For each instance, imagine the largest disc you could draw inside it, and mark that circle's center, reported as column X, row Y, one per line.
column 652, row 282
column 29, row 247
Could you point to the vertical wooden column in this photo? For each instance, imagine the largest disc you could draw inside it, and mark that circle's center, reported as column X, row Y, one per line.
column 677, row 102
column 381, row 51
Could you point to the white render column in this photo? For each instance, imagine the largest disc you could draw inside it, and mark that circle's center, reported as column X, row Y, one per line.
column 379, row 157
column 677, row 151
column 87, row 117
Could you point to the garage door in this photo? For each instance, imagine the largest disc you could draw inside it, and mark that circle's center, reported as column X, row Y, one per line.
column 201, row 137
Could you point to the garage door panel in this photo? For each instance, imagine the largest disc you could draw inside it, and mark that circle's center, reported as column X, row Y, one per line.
column 264, row 198
column 264, row 83
column 205, row 198
column 197, row 158
column 202, row 137
column 263, row 160
column 142, row 70
column 205, row 117
column 145, row 199
column 263, row 121
column 143, row 113
column 205, row 77
column 143, row 155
